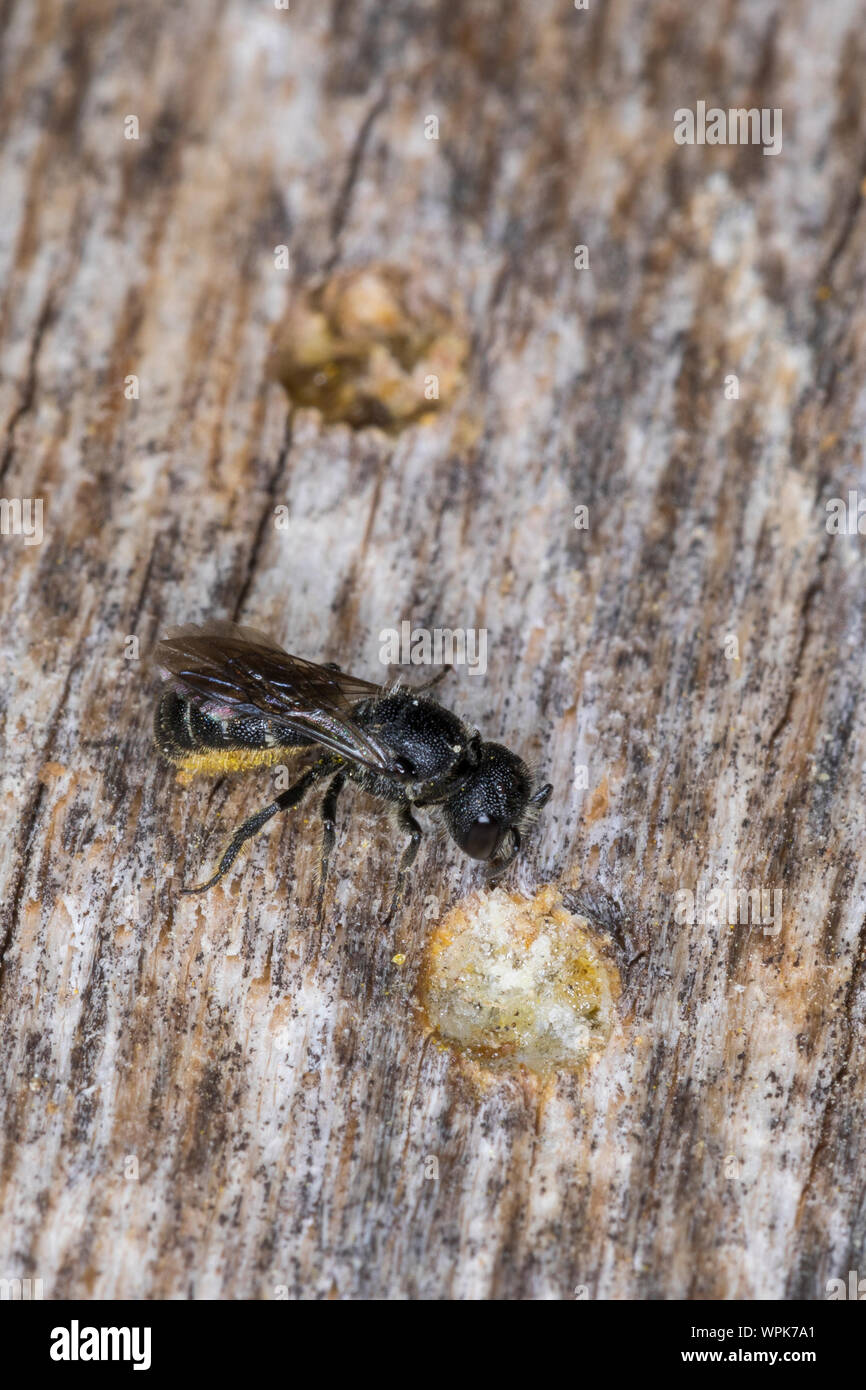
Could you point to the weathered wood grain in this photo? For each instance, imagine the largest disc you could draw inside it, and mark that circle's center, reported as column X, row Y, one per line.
column 216, row 1097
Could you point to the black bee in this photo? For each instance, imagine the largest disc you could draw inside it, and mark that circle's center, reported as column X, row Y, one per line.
column 238, row 701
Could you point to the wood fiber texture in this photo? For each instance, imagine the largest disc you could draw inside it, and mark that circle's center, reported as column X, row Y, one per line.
column 219, row 1097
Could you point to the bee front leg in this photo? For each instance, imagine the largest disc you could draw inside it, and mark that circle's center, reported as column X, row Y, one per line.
column 406, row 821
column 253, row 825
column 496, row 873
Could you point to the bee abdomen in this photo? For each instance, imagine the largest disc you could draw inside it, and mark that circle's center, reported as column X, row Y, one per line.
column 181, row 728
column 189, row 736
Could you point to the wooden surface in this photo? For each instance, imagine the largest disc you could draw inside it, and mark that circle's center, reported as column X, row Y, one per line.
column 215, row 1097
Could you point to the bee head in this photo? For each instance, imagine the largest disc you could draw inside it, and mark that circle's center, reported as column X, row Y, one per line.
column 485, row 812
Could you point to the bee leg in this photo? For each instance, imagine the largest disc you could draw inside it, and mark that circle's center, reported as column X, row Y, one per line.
column 253, row 825
column 329, row 830
column 496, row 874
column 434, row 680
column 407, row 822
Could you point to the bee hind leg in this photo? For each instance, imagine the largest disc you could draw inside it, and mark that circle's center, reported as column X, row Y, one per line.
column 253, row 825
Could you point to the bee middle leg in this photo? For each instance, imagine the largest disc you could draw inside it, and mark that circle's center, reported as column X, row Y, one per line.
column 329, row 830
column 253, row 825
column 406, row 821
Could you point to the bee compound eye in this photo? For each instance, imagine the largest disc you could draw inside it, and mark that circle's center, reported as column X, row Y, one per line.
column 482, row 837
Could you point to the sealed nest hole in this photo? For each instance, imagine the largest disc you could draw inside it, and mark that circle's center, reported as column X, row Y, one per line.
column 516, row 981
column 369, row 347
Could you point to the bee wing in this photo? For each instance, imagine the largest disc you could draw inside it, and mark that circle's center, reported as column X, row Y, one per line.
column 244, row 670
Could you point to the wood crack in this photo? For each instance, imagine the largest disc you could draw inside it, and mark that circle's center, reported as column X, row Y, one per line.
column 784, row 720
column 28, row 393
column 266, row 516
column 356, row 158
column 31, row 816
